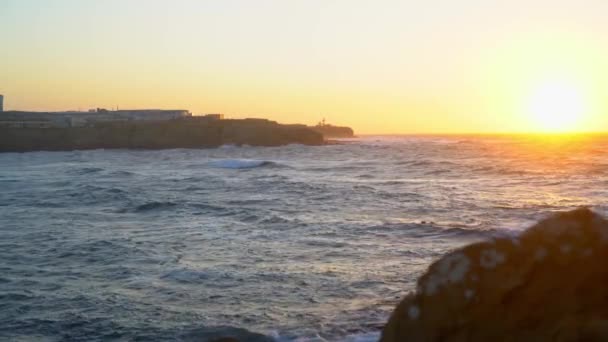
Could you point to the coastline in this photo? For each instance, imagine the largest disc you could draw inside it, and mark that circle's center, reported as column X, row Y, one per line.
column 180, row 133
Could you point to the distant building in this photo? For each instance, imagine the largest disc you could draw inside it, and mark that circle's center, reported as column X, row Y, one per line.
column 151, row 114
column 207, row 117
column 214, row 116
column 23, row 119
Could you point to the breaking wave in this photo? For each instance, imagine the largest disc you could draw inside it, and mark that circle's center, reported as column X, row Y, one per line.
column 241, row 163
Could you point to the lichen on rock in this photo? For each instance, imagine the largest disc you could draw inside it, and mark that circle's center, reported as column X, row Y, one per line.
column 550, row 285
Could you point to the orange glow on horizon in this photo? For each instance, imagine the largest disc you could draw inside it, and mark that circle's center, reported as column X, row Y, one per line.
column 389, row 68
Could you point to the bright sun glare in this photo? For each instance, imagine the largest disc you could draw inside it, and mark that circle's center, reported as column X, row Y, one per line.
column 556, row 106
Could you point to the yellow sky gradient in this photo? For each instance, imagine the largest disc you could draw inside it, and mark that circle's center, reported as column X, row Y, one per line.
column 378, row 66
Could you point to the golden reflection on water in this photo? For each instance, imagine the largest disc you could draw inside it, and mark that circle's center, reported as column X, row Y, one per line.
column 548, row 154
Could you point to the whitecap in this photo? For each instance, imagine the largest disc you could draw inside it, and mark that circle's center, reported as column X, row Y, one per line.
column 240, row 163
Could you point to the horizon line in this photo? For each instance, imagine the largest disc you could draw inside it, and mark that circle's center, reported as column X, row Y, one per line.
column 489, row 133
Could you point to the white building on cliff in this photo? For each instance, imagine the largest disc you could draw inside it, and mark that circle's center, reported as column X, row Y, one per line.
column 25, row 119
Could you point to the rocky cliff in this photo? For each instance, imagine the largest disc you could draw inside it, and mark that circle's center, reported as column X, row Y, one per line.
column 331, row 131
column 183, row 133
column 547, row 284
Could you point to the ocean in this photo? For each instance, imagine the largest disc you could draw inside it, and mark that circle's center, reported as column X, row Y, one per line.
column 292, row 243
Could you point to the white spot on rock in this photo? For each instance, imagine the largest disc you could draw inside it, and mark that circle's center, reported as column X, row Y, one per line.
column 566, row 248
column 449, row 270
column 587, row 252
column 454, row 267
column 490, row 258
column 413, row 312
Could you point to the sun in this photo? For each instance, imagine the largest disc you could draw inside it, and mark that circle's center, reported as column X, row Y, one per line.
column 556, row 106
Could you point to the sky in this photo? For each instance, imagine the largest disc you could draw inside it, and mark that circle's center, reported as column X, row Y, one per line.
column 381, row 67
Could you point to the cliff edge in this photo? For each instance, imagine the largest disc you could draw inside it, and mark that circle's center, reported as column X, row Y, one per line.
column 549, row 283
column 180, row 133
column 331, row 131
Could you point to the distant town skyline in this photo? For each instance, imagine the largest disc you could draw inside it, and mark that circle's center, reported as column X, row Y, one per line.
column 380, row 67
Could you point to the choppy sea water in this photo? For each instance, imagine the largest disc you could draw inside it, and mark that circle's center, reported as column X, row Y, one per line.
column 294, row 243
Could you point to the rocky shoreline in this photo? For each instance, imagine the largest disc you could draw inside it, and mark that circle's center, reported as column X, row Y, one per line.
column 546, row 284
column 180, row 133
column 331, row 131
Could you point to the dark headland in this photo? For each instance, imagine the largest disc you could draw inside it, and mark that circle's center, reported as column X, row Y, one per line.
column 182, row 133
column 143, row 129
column 331, row 131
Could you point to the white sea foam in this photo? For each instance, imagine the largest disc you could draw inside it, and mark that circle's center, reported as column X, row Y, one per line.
column 361, row 337
column 228, row 146
column 239, row 163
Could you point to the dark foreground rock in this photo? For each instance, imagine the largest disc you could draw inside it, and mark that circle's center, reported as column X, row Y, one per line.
column 548, row 284
column 182, row 133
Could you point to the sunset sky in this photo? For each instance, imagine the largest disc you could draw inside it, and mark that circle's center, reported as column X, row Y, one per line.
column 377, row 66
